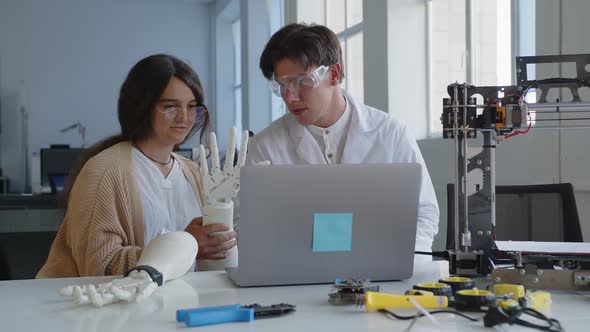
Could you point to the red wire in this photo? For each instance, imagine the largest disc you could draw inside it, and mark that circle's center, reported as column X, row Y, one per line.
column 518, row 132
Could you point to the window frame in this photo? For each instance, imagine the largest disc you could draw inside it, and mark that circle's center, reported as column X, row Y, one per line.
column 343, row 36
column 237, row 81
column 433, row 109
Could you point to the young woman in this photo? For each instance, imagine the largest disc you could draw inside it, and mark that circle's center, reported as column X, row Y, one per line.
column 131, row 187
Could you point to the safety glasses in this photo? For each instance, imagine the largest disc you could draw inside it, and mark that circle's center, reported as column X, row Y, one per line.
column 294, row 83
column 193, row 113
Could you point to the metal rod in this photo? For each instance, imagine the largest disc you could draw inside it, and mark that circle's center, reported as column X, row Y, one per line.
column 456, row 188
column 25, row 147
column 573, row 105
column 457, row 154
column 566, row 119
column 537, row 127
column 470, row 106
column 558, row 112
column 492, row 166
column 532, row 127
column 464, row 186
column 551, row 106
column 562, row 127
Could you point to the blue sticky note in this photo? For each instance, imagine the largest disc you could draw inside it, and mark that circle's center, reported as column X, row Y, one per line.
column 332, row 232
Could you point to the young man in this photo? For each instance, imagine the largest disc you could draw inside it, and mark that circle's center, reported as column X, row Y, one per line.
column 325, row 124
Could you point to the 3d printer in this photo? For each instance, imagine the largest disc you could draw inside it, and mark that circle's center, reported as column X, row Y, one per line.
column 498, row 113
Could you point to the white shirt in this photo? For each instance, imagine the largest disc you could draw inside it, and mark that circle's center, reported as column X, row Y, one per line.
column 168, row 203
column 373, row 136
column 331, row 139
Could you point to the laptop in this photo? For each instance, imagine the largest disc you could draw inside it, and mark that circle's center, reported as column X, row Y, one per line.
column 309, row 224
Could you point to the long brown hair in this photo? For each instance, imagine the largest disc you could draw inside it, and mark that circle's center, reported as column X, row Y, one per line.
column 138, row 96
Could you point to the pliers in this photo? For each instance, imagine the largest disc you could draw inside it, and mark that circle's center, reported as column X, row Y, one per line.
column 231, row 313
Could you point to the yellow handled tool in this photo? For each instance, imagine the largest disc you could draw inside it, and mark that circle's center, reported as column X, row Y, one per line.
column 377, row 301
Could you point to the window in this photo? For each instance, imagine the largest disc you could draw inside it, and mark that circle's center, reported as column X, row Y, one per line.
column 276, row 16
column 470, row 41
column 492, row 59
column 344, row 17
column 226, row 57
column 241, row 95
column 237, row 42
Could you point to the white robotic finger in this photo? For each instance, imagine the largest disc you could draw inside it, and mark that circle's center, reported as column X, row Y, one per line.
column 99, row 299
column 229, row 152
column 121, row 294
column 215, row 168
column 243, row 149
column 203, row 167
column 78, row 296
column 104, row 299
column 67, row 291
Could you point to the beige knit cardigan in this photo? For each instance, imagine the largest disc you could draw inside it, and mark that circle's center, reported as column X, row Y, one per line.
column 102, row 232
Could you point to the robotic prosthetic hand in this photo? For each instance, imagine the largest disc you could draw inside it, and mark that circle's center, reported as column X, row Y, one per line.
column 219, row 188
column 166, row 257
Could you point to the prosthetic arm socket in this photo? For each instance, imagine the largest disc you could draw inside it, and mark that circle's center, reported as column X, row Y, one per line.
column 171, row 254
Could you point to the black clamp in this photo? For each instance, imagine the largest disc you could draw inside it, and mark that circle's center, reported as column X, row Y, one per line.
column 154, row 274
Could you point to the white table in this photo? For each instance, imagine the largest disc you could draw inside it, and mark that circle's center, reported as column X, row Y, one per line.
column 34, row 305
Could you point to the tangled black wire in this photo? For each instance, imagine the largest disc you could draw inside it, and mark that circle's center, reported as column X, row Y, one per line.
column 496, row 315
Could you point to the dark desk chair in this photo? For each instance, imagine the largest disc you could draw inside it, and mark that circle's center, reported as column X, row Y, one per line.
column 4, row 272
column 28, row 225
column 544, row 212
column 23, row 254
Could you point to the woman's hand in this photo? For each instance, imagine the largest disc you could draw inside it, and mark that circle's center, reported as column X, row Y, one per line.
column 212, row 245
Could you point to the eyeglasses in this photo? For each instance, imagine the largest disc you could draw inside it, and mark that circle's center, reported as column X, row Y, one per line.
column 293, row 83
column 173, row 112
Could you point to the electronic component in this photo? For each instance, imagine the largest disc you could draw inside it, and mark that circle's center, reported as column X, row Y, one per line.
column 351, row 291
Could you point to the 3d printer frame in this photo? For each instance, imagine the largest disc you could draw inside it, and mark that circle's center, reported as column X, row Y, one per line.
column 498, row 113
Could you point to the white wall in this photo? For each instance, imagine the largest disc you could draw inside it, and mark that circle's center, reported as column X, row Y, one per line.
column 64, row 61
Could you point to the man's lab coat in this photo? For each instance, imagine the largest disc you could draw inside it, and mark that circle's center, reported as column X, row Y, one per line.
column 373, row 137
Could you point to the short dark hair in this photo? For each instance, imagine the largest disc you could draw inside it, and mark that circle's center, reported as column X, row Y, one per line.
column 312, row 45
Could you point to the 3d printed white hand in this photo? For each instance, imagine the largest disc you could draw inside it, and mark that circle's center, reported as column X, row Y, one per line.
column 168, row 256
column 220, row 187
